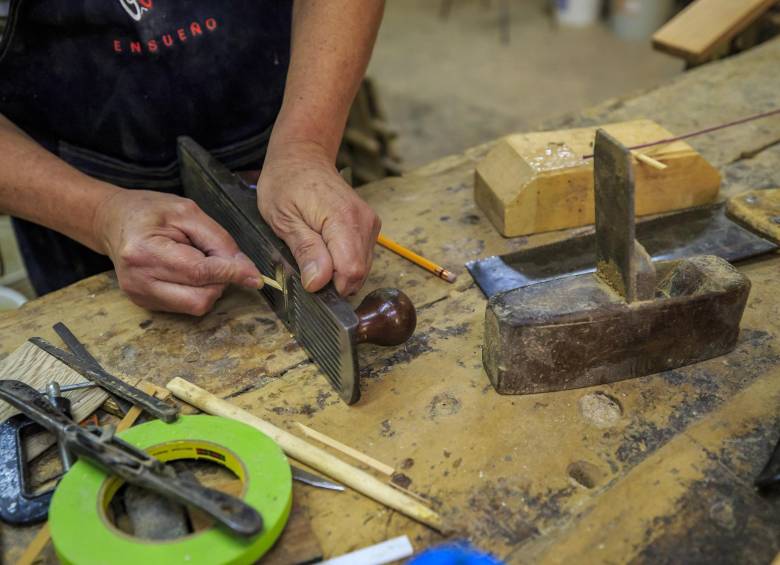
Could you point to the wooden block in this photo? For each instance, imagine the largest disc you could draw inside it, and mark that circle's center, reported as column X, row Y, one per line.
column 577, row 332
column 697, row 32
column 759, row 211
column 33, row 366
column 538, row 182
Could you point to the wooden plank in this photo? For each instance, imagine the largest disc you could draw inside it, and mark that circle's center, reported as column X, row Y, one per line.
column 759, row 211
column 687, row 468
column 700, row 29
column 37, row 368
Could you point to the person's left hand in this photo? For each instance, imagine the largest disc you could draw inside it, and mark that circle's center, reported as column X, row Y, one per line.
column 329, row 229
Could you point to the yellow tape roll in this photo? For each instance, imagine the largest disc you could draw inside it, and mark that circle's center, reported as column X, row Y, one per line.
column 83, row 534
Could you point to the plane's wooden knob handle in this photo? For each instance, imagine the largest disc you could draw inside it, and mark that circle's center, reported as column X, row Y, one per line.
column 387, row 317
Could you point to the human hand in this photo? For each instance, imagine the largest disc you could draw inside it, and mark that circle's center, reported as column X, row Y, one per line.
column 329, row 229
column 168, row 254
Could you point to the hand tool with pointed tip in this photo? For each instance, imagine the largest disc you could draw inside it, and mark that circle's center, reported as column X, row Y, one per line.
column 313, row 480
column 135, row 466
column 81, row 361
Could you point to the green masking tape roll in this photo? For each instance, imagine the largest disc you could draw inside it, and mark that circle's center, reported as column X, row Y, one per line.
column 83, row 534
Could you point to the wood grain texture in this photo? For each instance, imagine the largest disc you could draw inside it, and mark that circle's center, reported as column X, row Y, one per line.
column 346, row 450
column 518, row 474
column 702, row 27
column 297, row 544
column 759, row 211
column 538, row 182
column 309, row 454
column 37, row 368
column 577, row 332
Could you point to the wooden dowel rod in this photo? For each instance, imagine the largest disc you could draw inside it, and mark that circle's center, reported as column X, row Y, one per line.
column 347, row 450
column 271, row 282
column 646, row 159
column 311, row 455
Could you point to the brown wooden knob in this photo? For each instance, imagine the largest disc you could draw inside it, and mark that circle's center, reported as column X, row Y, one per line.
column 387, row 317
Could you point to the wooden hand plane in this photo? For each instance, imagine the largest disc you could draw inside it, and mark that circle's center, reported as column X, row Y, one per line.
column 632, row 317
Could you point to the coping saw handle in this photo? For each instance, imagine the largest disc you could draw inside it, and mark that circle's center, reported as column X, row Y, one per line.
column 386, row 317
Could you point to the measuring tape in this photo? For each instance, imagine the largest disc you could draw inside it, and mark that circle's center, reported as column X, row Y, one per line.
column 83, row 533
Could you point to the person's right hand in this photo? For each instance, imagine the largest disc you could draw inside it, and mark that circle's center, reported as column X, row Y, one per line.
column 168, row 254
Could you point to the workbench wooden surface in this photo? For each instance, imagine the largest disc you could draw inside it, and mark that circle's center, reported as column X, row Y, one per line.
column 653, row 469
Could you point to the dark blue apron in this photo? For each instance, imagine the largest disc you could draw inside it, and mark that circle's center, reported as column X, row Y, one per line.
column 108, row 85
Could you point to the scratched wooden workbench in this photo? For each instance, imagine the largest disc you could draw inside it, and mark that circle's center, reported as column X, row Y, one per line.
column 661, row 471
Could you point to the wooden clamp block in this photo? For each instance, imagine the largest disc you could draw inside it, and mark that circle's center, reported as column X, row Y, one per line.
column 631, row 318
column 537, row 182
column 758, row 211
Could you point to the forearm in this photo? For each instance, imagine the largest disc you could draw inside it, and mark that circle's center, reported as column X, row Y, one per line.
column 38, row 186
column 331, row 47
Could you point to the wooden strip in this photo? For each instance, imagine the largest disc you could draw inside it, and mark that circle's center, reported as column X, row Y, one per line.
column 700, row 29
column 310, row 455
column 36, row 546
column 135, row 411
column 646, row 159
column 347, row 450
column 271, row 282
column 407, row 492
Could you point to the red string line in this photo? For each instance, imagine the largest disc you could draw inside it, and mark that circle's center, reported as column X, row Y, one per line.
column 701, row 131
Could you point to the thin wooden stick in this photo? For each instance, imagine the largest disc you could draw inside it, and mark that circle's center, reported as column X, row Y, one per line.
column 410, row 493
column 701, row 131
column 347, row 450
column 271, row 282
column 649, row 160
column 37, row 545
column 418, row 260
column 310, row 455
column 135, row 411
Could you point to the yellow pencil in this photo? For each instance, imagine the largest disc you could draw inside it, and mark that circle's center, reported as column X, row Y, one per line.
column 437, row 270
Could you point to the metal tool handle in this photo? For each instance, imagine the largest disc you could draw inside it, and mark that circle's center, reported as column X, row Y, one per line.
column 36, row 405
column 73, row 343
column 88, row 369
column 147, row 472
column 130, row 463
